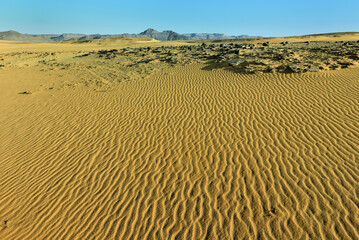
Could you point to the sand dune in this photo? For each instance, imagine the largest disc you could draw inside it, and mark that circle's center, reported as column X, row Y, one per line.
column 186, row 153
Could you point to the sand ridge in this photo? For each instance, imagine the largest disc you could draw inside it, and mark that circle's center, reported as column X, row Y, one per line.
column 190, row 152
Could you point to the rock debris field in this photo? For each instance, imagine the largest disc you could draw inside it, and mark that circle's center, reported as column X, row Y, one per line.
column 252, row 58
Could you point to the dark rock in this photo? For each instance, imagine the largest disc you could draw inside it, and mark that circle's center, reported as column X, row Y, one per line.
column 273, row 211
column 236, row 62
column 237, row 51
column 344, row 64
column 270, row 69
column 289, row 69
column 26, row 92
column 229, row 55
column 334, row 66
column 353, row 55
column 266, row 44
column 173, row 59
column 313, row 68
column 259, row 62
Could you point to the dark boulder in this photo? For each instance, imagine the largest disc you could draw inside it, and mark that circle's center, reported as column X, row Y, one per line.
column 266, row 44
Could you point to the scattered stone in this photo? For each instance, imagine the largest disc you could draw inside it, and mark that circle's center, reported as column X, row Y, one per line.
column 236, row 62
column 237, row 52
column 288, row 69
column 334, row 66
column 172, row 60
column 273, row 211
column 270, row 69
column 257, row 58
column 25, row 92
column 313, row 68
column 266, row 44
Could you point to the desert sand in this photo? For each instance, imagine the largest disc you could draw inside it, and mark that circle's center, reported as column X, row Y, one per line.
column 100, row 147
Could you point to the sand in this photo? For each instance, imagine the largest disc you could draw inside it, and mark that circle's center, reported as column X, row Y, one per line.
column 187, row 152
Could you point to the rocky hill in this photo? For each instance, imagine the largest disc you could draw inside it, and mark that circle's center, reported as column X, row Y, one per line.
column 16, row 36
column 208, row 36
column 149, row 33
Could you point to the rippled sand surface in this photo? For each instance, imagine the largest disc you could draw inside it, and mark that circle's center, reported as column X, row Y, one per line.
column 186, row 153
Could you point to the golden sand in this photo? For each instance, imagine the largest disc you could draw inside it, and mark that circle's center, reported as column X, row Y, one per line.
column 186, row 153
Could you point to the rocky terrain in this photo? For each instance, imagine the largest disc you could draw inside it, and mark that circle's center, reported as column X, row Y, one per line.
column 251, row 58
column 149, row 33
column 129, row 63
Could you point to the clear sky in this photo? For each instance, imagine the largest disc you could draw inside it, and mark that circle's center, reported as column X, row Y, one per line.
column 235, row 17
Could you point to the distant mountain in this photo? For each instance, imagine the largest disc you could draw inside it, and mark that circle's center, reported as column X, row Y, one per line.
column 163, row 36
column 16, row 36
column 149, row 33
column 208, row 36
column 67, row 37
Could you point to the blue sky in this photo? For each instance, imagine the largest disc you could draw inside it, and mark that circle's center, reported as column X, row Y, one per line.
column 252, row 17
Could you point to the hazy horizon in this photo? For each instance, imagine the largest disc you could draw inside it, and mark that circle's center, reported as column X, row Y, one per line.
column 258, row 18
column 60, row 33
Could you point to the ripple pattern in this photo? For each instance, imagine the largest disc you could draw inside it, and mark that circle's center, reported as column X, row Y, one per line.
column 185, row 154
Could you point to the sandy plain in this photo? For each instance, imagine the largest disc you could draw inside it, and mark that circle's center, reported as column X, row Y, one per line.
column 105, row 149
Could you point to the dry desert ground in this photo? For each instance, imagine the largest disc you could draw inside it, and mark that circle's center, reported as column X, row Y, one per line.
column 141, row 139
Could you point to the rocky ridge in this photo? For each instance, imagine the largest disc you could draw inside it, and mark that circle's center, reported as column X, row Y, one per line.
column 149, row 33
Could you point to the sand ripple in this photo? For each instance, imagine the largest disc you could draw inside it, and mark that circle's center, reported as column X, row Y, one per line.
column 185, row 154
